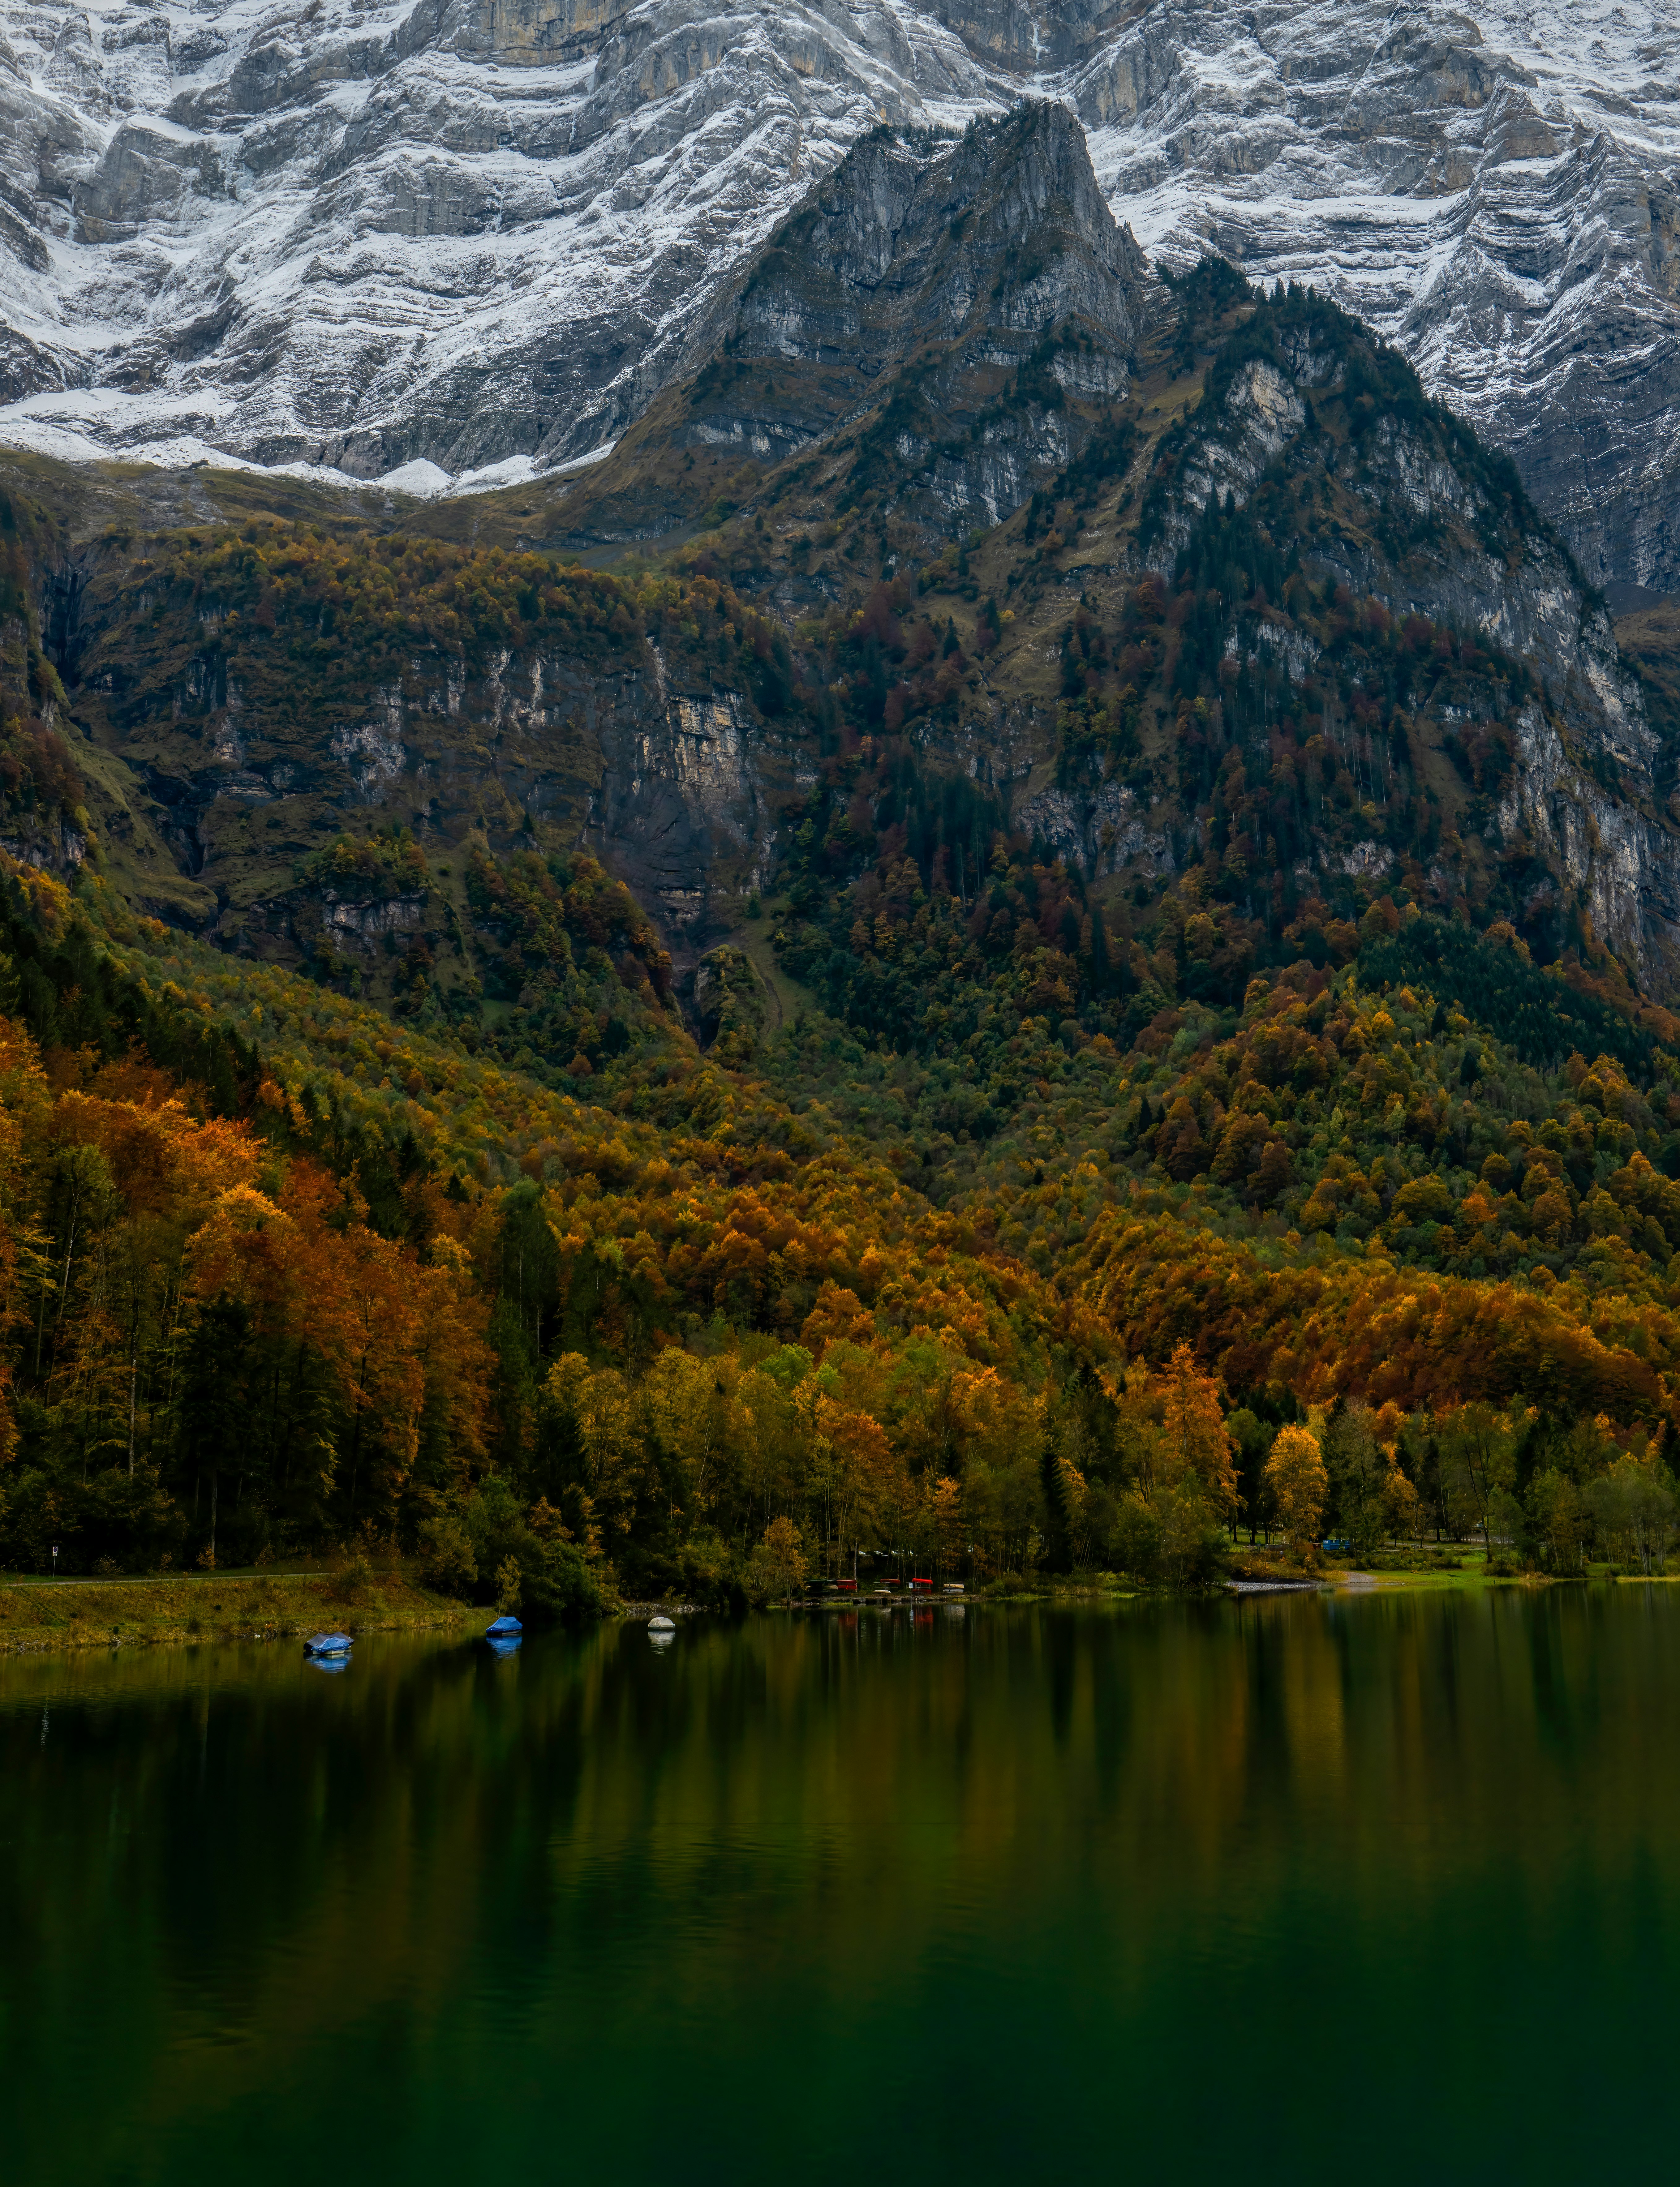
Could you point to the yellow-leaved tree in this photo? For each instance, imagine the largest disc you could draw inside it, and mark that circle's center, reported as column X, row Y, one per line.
column 1192, row 1431
column 1296, row 1474
column 778, row 1565
column 1403, row 1506
column 1173, row 1430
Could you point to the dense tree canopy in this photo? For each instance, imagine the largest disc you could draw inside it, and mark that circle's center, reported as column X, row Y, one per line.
column 280, row 1274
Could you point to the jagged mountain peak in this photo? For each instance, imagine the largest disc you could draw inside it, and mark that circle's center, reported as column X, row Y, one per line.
column 928, row 241
column 1316, row 445
column 976, row 295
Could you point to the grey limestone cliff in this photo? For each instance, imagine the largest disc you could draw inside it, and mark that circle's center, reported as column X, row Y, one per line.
column 457, row 235
column 978, row 295
column 1430, row 528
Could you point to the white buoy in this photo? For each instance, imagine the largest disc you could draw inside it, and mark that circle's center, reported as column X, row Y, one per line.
column 661, row 1625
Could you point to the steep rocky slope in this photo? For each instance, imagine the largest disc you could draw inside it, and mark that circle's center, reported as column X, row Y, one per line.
column 1496, row 188
column 265, row 691
column 978, row 297
column 1354, row 630
column 1159, row 580
column 456, row 236
column 1553, row 730
column 359, row 237
column 421, row 775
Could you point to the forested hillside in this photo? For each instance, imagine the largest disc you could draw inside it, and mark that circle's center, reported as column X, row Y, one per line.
column 281, row 1273
column 1052, row 1049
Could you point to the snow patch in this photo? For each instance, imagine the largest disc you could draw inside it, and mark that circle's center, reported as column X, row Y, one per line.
column 424, row 481
column 512, row 470
column 583, row 462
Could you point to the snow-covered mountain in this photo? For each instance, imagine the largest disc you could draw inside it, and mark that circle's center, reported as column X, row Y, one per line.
column 472, row 236
column 1496, row 188
column 458, row 233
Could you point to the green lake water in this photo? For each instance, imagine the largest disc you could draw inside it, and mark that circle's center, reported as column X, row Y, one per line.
column 1388, row 1886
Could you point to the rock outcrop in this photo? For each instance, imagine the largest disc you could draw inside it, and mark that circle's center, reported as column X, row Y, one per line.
column 978, row 295
column 1436, row 531
column 213, row 794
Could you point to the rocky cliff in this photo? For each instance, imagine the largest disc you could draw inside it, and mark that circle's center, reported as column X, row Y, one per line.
column 238, row 713
column 1302, row 410
column 977, row 296
column 424, row 241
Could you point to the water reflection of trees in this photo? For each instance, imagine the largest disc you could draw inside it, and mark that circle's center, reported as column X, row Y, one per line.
column 218, row 1861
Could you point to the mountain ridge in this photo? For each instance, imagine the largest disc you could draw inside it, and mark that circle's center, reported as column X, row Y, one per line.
column 1316, row 619
column 426, row 242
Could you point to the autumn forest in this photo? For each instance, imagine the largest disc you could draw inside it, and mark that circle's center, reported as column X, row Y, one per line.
column 284, row 1279
column 975, row 1206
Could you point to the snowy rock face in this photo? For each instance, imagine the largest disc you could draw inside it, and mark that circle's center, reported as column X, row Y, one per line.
column 368, row 237
column 1494, row 188
column 462, row 233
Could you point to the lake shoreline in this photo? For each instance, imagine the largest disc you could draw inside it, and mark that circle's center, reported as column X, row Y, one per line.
column 38, row 1617
column 186, row 1612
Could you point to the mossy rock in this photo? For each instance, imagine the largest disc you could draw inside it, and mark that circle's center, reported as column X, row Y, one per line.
column 730, row 1002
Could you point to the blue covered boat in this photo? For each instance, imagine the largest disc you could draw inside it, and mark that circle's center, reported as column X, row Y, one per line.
column 504, row 1628
column 327, row 1644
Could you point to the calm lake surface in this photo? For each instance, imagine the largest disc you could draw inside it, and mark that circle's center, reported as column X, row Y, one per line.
column 1388, row 1885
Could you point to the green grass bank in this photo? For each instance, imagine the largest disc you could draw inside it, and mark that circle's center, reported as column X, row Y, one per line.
column 36, row 1614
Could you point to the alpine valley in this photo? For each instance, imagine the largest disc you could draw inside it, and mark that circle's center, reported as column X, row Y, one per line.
column 781, row 780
